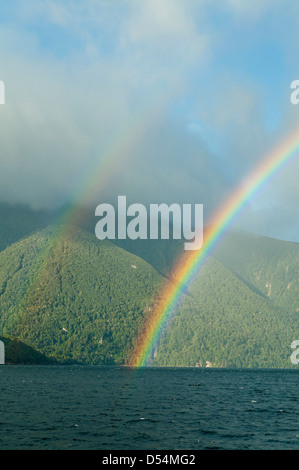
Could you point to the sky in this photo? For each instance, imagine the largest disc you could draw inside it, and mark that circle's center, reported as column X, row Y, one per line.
column 159, row 100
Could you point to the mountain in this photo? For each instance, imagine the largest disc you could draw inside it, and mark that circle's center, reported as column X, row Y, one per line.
column 72, row 297
column 224, row 323
column 268, row 266
column 161, row 254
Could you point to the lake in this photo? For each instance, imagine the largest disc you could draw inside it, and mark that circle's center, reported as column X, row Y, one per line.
column 115, row 408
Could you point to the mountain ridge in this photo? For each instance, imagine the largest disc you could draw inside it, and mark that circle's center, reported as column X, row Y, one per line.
column 74, row 298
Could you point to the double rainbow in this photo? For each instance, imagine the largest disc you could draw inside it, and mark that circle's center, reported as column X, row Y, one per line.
column 190, row 262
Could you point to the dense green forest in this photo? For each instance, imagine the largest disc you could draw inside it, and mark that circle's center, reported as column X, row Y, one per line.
column 71, row 297
column 225, row 324
column 68, row 297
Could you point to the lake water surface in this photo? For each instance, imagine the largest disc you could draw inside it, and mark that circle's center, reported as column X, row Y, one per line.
column 114, row 408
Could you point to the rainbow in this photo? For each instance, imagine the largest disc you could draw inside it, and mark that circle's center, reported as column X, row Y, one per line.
column 190, row 262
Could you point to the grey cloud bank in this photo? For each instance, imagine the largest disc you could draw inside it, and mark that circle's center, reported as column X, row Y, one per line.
column 103, row 100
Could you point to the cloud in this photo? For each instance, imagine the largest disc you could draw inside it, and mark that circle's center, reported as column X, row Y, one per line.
column 161, row 101
column 64, row 115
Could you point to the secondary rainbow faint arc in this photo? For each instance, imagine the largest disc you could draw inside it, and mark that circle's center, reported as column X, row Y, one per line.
column 119, row 149
column 190, row 262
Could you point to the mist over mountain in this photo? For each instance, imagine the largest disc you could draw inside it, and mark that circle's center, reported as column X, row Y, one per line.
column 19, row 220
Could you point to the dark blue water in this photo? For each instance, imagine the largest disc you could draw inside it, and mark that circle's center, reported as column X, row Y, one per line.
column 110, row 408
